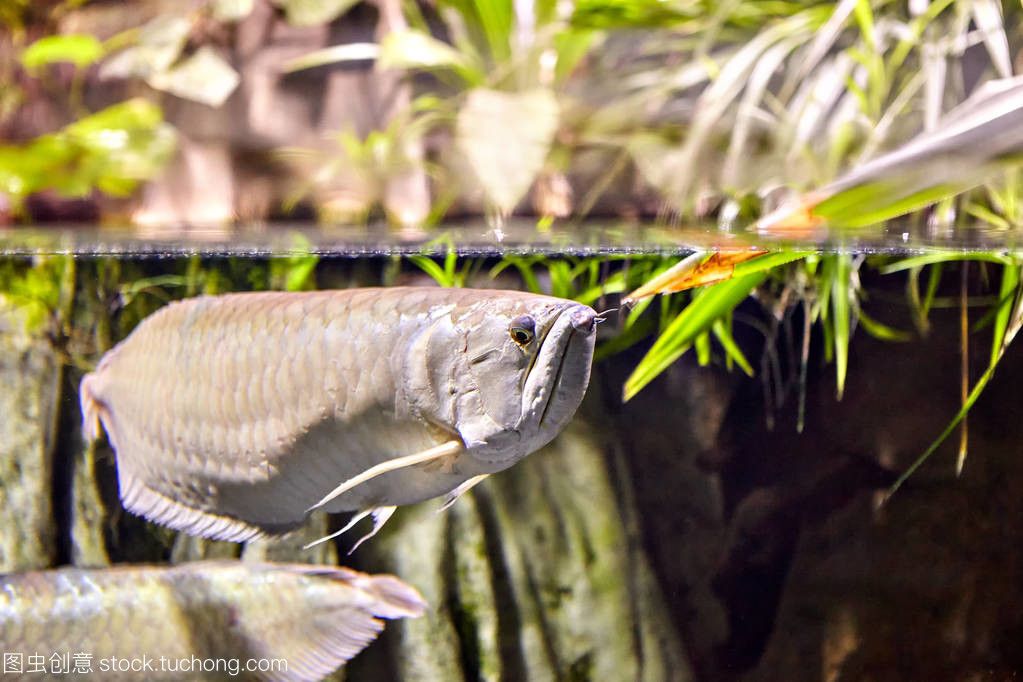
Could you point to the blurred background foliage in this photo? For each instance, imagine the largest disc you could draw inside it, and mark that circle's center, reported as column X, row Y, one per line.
column 849, row 112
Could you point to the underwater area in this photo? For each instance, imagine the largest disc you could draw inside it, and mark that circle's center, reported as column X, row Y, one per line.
column 735, row 518
column 512, row 340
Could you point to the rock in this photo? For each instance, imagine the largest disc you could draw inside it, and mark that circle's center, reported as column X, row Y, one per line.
column 532, row 575
column 925, row 587
column 30, row 377
column 89, row 515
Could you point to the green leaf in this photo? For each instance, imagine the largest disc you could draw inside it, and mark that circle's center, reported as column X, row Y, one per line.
column 525, row 267
column 34, row 297
column 702, row 346
column 80, row 50
column 727, row 341
column 130, row 290
column 313, row 12
column 431, row 268
column 876, row 202
column 841, row 290
column 881, row 331
column 300, row 271
column 767, row 262
column 637, row 312
column 124, row 143
column 709, row 305
column 986, row 215
column 982, row 382
column 110, row 150
column 943, row 257
column 1007, row 298
column 130, row 114
column 630, row 14
column 571, row 47
column 506, row 137
column 204, row 77
column 491, row 22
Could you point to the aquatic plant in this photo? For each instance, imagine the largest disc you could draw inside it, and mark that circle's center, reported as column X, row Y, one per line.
column 115, row 149
column 36, row 295
column 828, row 291
column 111, row 151
column 796, row 95
column 631, row 101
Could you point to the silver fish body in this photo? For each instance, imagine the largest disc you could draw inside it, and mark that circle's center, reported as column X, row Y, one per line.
column 232, row 415
column 202, row 620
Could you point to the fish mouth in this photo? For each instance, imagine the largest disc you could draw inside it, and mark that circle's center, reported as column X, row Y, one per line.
column 569, row 329
column 557, row 379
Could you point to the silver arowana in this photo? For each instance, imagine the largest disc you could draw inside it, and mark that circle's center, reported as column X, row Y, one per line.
column 205, row 619
column 234, row 416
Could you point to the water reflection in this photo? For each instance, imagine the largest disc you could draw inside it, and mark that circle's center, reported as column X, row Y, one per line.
column 479, row 238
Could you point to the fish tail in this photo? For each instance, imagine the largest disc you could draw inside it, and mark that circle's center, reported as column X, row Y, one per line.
column 395, row 599
column 392, row 598
column 92, row 407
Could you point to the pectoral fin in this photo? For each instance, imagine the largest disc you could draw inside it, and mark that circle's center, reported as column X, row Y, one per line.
column 380, row 516
column 448, row 449
column 462, row 489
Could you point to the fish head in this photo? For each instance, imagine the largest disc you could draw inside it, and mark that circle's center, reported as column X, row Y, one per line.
column 521, row 365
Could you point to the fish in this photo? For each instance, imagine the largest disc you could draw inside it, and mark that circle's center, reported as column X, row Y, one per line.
column 234, row 416
column 199, row 620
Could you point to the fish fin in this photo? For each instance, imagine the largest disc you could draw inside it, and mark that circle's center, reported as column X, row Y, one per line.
column 380, row 516
column 158, row 508
column 351, row 522
column 462, row 489
column 450, row 448
column 91, row 407
column 395, row 598
column 339, row 613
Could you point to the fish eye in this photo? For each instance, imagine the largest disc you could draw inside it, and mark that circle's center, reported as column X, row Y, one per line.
column 522, row 330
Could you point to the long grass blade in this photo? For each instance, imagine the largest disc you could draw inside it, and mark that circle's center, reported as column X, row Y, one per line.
column 982, row 383
column 943, row 257
column 1007, row 295
column 724, row 336
column 841, row 291
column 964, row 362
column 881, row 331
column 702, row 346
column 711, row 304
column 983, row 135
column 433, row 269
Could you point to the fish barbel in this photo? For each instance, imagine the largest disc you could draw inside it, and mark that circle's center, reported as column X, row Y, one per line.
column 233, row 416
column 301, row 621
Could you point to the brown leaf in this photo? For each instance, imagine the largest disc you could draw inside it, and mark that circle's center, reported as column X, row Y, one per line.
column 695, row 271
